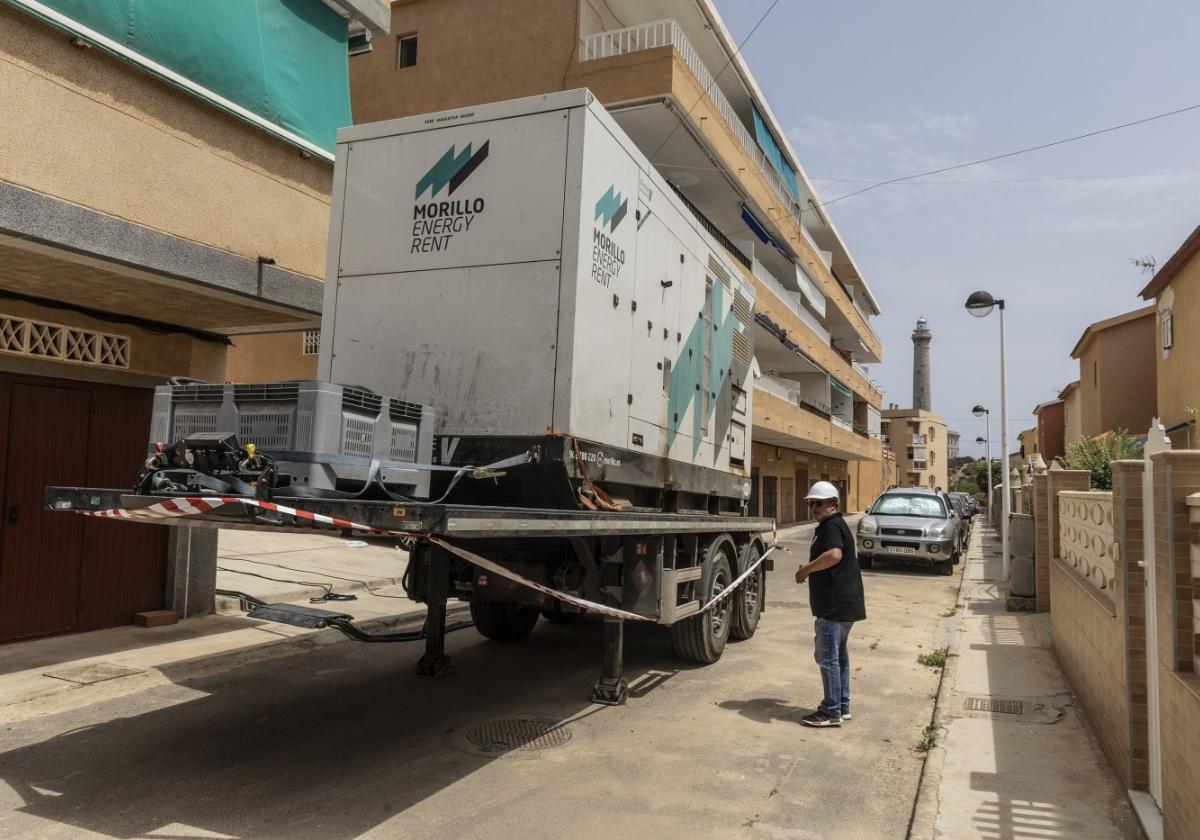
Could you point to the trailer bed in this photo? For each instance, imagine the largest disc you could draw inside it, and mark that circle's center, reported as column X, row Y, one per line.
column 446, row 520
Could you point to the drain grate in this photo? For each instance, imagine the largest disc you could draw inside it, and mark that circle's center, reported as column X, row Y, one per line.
column 988, row 704
column 93, row 673
column 523, row 734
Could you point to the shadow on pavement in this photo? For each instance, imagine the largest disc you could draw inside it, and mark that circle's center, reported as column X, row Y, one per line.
column 767, row 710
column 330, row 745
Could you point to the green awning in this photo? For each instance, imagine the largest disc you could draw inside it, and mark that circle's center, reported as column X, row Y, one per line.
column 839, row 386
column 284, row 61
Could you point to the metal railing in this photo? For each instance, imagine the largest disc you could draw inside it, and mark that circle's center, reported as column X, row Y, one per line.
column 713, row 230
column 788, row 299
column 919, row 440
column 662, row 33
column 920, row 466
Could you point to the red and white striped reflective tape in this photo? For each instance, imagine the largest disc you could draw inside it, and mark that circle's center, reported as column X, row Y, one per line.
column 192, row 505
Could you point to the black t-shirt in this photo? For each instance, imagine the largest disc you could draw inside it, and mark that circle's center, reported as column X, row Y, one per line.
column 836, row 593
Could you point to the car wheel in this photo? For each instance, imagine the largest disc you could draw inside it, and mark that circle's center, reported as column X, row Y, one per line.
column 865, row 561
column 943, row 567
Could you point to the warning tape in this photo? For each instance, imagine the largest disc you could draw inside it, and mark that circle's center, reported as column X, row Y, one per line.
column 192, row 505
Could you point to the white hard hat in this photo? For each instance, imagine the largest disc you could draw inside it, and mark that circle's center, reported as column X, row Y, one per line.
column 822, row 490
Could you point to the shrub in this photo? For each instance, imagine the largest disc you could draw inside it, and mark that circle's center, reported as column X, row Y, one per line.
column 1097, row 454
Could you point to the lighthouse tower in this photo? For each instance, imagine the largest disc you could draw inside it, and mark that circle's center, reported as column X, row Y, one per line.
column 922, row 338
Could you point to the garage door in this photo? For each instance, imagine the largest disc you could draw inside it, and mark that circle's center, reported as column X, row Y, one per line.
column 61, row 572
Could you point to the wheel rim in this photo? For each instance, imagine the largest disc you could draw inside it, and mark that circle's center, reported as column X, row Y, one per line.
column 720, row 613
column 753, row 589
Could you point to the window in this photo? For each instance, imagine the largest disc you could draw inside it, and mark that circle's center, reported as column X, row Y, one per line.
column 932, row 432
column 311, row 342
column 406, row 51
column 1168, row 330
column 905, row 504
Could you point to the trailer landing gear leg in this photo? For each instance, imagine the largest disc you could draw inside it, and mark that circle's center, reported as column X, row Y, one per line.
column 612, row 689
column 434, row 663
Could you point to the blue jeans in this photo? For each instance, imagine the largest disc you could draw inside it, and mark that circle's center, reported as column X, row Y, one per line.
column 834, row 660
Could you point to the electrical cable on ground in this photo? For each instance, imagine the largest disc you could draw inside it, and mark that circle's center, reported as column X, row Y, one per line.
column 362, row 583
column 329, row 595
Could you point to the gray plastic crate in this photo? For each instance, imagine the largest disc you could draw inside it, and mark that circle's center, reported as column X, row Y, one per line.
column 324, row 435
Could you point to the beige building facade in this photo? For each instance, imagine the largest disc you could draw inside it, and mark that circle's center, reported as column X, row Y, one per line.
column 672, row 77
column 1175, row 295
column 919, row 441
column 1072, row 414
column 146, row 220
column 1117, row 374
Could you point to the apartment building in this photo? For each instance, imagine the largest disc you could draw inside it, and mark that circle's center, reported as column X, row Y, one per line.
column 658, row 68
column 1028, row 441
column 164, row 186
column 952, row 439
column 920, row 443
column 1175, row 292
column 1117, row 374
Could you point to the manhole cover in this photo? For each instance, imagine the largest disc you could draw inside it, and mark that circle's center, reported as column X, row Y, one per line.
column 93, row 673
column 524, row 734
column 988, row 704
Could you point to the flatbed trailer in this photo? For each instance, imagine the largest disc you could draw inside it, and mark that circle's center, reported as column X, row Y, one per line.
column 701, row 575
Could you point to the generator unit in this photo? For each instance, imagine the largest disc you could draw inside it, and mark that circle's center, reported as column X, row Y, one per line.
column 323, row 439
column 524, row 267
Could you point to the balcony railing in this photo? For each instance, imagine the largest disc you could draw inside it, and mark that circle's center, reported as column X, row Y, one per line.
column 788, row 298
column 920, row 466
column 919, row 440
column 662, row 33
column 786, row 391
column 842, row 424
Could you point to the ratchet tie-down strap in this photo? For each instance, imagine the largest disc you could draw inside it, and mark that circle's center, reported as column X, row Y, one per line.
column 193, row 505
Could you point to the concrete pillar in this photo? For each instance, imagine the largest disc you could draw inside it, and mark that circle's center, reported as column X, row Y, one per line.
column 191, row 571
column 921, row 337
column 1046, row 488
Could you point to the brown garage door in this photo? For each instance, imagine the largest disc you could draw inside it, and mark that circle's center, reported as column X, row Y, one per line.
column 62, row 572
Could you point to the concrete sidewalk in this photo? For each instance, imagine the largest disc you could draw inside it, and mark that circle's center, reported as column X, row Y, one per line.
column 1031, row 771
column 277, row 568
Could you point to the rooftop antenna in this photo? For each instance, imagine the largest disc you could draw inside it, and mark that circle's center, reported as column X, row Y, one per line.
column 1146, row 264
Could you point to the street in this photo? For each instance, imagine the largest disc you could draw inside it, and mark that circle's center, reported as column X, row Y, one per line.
column 342, row 740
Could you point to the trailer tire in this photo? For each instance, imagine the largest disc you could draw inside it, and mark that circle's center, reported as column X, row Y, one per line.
column 701, row 638
column 747, row 601
column 503, row 621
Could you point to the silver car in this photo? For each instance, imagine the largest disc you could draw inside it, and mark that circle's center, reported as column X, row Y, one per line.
column 911, row 523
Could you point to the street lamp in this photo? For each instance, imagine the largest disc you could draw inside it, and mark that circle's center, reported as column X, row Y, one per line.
column 981, row 304
column 980, row 411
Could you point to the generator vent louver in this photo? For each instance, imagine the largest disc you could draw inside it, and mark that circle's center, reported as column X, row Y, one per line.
column 362, row 401
column 717, row 270
column 401, row 410
column 41, row 339
column 269, row 391
column 743, row 311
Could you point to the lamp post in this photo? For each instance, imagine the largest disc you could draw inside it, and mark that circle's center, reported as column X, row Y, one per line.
column 987, row 443
column 981, row 304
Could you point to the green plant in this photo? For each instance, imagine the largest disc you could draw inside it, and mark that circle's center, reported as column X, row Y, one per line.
column 928, row 739
column 935, row 658
column 1097, row 454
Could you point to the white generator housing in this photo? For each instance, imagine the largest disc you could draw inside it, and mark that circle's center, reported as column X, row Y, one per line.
column 523, row 268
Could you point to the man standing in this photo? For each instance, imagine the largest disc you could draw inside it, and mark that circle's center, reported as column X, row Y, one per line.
column 835, row 592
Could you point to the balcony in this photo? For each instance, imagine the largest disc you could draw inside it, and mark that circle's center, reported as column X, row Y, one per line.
column 656, row 83
column 920, row 466
column 784, row 415
column 920, row 440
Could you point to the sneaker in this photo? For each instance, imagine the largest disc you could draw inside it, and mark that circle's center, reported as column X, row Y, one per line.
column 847, row 716
column 820, row 719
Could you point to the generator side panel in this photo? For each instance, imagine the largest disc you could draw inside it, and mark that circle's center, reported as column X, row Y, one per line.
column 662, row 331
column 448, row 268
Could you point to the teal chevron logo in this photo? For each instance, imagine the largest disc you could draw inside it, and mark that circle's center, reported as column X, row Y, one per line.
column 611, row 209
column 451, row 169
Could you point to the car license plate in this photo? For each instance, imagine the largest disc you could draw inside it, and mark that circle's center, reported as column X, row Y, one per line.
column 905, row 549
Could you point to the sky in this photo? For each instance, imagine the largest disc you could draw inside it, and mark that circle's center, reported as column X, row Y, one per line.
column 868, row 90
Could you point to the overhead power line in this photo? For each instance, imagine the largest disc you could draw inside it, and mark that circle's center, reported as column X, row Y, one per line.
column 736, row 52
column 993, row 158
column 1021, row 180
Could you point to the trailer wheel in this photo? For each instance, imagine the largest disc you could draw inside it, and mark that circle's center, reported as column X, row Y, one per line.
column 747, row 601
column 701, row 638
column 503, row 621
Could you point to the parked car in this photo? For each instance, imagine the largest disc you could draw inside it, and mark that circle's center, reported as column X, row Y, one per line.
column 911, row 523
column 966, row 511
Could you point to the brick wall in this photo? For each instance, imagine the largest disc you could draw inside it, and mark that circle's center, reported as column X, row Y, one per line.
column 1087, row 617
column 1176, row 476
column 1131, row 607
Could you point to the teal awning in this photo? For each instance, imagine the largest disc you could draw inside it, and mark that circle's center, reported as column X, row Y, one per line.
column 770, row 147
column 839, row 386
column 284, row 61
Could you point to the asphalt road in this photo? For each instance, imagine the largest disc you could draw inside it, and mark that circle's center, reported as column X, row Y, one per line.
column 342, row 740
